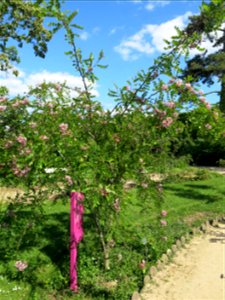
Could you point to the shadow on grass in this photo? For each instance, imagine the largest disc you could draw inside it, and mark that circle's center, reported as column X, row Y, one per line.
column 193, row 194
column 49, row 235
column 199, row 186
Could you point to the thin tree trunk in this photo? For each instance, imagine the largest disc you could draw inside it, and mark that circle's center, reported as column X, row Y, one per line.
column 222, row 92
column 222, row 95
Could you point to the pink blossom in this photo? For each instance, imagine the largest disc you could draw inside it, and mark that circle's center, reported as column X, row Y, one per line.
column 80, row 196
column 193, row 91
column 170, row 104
column 21, row 265
column 2, row 99
column 24, row 171
column 167, row 122
column 33, row 125
column 171, row 80
column 127, row 88
column 25, row 101
column 8, row 144
column 202, row 99
column 27, row 151
column 16, row 104
column 44, row 138
column 63, row 127
column 208, row 126
column 188, row 86
column 142, row 264
column 69, row 180
column 22, row 140
column 208, row 105
column 3, row 107
column 164, row 213
column 179, row 82
column 164, row 87
column 163, row 222
column 200, row 92
column 175, row 114
column 20, row 172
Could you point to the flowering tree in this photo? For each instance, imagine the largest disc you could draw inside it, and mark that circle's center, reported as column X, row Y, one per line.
column 54, row 143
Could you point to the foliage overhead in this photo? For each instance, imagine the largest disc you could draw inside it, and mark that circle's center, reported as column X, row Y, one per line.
column 24, row 22
column 207, row 26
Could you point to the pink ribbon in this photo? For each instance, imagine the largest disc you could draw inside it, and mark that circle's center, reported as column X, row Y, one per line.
column 76, row 234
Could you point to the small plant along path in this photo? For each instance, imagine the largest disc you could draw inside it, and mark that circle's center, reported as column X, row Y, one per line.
column 197, row 272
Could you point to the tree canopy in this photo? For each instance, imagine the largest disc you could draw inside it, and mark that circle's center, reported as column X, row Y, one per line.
column 209, row 26
column 24, row 22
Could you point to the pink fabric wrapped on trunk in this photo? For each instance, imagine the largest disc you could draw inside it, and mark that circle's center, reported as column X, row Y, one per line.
column 76, row 234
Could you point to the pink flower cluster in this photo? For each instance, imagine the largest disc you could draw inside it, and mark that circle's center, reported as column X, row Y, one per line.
column 208, row 126
column 43, row 137
column 142, row 264
column 80, row 196
column 20, row 172
column 163, row 222
column 179, row 83
column 63, row 127
column 167, row 122
column 160, row 113
column 8, row 144
column 3, row 107
column 32, row 125
column 69, row 180
column 2, row 99
column 170, row 104
column 163, row 214
column 26, row 151
column 207, row 104
column 18, row 103
column 22, row 140
column 21, row 265
column 164, row 87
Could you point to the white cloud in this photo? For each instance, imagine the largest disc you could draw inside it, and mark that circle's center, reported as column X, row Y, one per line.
column 150, row 6
column 206, row 44
column 84, row 35
column 19, row 85
column 150, row 38
column 136, row 1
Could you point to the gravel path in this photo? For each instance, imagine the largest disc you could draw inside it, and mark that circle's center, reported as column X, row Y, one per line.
column 196, row 273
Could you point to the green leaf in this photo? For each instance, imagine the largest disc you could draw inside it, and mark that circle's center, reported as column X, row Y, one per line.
column 102, row 66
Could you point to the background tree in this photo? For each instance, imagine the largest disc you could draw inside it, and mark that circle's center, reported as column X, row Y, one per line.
column 23, row 22
column 208, row 67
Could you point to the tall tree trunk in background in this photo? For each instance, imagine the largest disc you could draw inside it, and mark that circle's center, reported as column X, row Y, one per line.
column 222, row 92
column 222, row 95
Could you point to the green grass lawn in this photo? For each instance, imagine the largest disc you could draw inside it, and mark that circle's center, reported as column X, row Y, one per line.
column 45, row 243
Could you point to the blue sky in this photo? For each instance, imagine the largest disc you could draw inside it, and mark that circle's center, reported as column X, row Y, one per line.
column 131, row 34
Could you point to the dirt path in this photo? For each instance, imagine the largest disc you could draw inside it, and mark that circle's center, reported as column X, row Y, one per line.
column 196, row 273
